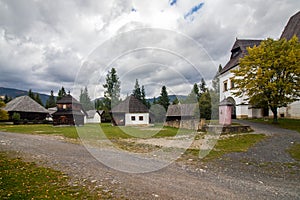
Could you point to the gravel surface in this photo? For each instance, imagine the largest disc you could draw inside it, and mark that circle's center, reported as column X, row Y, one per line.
column 264, row 172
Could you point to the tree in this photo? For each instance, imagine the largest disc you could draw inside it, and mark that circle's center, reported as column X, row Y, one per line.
column 205, row 105
column 270, row 73
column 61, row 93
column 3, row 113
column 193, row 97
column 85, row 99
column 164, row 98
column 175, row 101
column 137, row 90
column 38, row 99
column 51, row 102
column 35, row 97
column 144, row 100
column 112, row 86
column 216, row 81
column 202, row 87
column 31, row 94
column 7, row 99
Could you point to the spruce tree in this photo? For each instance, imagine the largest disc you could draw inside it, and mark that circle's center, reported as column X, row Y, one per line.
column 164, row 98
column 85, row 99
column 112, row 86
column 61, row 93
column 51, row 101
column 137, row 90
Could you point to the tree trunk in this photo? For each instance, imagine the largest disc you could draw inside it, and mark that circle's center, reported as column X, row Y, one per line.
column 275, row 117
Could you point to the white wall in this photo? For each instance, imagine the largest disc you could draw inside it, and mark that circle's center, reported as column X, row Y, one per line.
column 137, row 121
column 95, row 119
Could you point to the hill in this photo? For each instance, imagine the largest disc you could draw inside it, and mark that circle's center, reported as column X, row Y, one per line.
column 12, row 92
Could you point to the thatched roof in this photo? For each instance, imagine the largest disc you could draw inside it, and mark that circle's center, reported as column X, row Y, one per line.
column 68, row 99
column 292, row 28
column 24, row 104
column 238, row 51
column 130, row 105
column 182, row 110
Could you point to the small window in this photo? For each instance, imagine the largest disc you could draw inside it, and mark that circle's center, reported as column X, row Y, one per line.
column 141, row 118
column 64, row 106
column 231, row 83
column 132, row 118
column 225, row 86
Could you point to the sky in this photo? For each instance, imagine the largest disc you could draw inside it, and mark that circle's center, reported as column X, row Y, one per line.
column 47, row 44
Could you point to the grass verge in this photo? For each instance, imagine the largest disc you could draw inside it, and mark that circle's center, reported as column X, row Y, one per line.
column 236, row 143
column 292, row 124
column 96, row 131
column 23, row 180
column 294, row 151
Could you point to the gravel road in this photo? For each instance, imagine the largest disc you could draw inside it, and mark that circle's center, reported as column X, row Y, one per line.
column 261, row 173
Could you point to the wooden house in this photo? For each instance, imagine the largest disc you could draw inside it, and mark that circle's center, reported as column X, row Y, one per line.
column 69, row 112
column 130, row 112
column 27, row 108
column 183, row 116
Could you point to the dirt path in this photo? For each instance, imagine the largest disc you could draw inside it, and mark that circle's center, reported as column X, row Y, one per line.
column 226, row 178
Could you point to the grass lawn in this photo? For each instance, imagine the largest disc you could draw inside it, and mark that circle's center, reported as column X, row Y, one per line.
column 236, row 143
column 294, row 151
column 292, row 124
column 98, row 131
column 23, row 180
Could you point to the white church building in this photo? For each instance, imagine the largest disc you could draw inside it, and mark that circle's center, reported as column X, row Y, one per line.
column 241, row 107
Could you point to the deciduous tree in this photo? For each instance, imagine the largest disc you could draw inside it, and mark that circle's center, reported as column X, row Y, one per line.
column 270, row 73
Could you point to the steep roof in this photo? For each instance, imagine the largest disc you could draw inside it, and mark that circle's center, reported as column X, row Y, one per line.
column 67, row 99
column 238, row 51
column 91, row 113
column 130, row 105
column 292, row 28
column 24, row 104
column 182, row 110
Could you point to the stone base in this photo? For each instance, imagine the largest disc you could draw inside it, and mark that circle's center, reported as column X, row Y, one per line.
column 228, row 129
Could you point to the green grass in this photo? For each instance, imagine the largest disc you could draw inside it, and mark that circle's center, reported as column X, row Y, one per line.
column 236, row 143
column 292, row 124
column 294, row 151
column 23, row 180
column 96, row 131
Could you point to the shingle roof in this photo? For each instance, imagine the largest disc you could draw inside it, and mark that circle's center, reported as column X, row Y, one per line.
column 68, row 99
column 292, row 28
column 239, row 47
column 91, row 113
column 130, row 105
column 24, row 104
column 183, row 110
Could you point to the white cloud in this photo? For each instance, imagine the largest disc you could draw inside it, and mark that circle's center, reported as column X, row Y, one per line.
column 44, row 43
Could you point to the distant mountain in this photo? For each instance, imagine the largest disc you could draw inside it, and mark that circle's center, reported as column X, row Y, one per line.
column 171, row 97
column 11, row 92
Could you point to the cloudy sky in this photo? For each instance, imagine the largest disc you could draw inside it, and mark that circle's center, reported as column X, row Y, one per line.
column 46, row 44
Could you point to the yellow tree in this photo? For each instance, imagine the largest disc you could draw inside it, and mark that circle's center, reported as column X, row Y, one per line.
column 270, row 74
column 3, row 113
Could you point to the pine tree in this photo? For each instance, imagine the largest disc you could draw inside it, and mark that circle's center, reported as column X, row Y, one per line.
column 193, row 97
column 31, row 94
column 85, row 100
column 203, row 87
column 176, row 101
column 164, row 98
column 7, row 99
column 112, row 86
column 51, row 101
column 137, row 91
column 38, row 99
column 61, row 93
